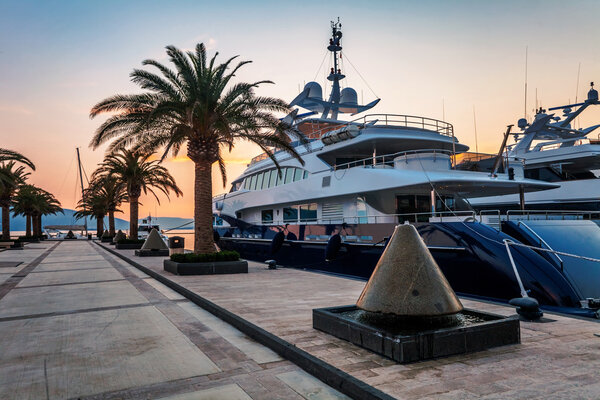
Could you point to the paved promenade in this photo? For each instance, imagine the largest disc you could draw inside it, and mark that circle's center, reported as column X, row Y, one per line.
column 78, row 323
column 557, row 359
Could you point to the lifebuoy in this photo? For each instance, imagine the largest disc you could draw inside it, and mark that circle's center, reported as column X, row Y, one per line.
column 333, row 247
column 277, row 242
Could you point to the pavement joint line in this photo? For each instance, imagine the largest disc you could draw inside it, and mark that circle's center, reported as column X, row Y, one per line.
column 14, row 280
column 65, row 270
column 79, row 311
column 327, row 373
column 70, row 283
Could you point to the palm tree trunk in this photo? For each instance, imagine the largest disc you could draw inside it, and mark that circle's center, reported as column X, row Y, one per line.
column 99, row 225
column 34, row 223
column 39, row 232
column 133, row 216
column 203, row 216
column 111, row 223
column 28, row 225
column 5, row 222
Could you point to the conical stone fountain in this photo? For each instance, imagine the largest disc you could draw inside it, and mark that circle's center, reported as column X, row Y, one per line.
column 408, row 311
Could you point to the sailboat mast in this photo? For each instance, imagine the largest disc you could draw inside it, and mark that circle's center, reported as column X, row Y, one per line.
column 81, row 182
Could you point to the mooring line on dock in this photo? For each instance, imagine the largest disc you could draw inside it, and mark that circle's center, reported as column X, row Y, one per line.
column 14, row 280
column 325, row 372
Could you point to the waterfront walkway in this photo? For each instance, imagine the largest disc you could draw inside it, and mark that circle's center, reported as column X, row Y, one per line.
column 558, row 358
column 79, row 323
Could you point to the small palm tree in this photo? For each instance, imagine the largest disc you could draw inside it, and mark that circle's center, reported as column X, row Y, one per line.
column 138, row 174
column 195, row 105
column 11, row 176
column 115, row 193
column 33, row 202
column 94, row 203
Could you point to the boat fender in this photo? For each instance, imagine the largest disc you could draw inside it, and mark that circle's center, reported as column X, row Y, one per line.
column 291, row 236
column 216, row 236
column 277, row 242
column 333, row 247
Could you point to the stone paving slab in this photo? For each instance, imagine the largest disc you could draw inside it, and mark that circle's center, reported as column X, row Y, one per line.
column 68, row 266
column 32, row 301
column 67, row 277
column 554, row 360
column 126, row 339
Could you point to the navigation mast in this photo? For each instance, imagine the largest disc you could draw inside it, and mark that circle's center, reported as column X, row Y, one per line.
column 82, row 191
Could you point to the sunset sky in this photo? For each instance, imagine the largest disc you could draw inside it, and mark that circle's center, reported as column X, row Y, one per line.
column 426, row 58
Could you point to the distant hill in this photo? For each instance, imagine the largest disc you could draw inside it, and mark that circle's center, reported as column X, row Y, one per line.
column 18, row 223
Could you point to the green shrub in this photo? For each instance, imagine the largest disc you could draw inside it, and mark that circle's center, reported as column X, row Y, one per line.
column 130, row 241
column 224, row 255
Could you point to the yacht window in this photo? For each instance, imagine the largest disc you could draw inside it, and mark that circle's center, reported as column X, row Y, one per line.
column 308, row 212
column 253, row 182
column 267, row 216
column 305, row 175
column 297, row 174
column 361, row 210
column 290, row 214
column 289, row 175
column 273, row 178
column 280, row 178
column 259, row 180
column 245, row 183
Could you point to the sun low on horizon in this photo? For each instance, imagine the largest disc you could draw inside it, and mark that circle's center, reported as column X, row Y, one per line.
column 465, row 62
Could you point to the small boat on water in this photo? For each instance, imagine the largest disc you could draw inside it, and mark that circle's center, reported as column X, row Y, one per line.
column 147, row 225
column 362, row 177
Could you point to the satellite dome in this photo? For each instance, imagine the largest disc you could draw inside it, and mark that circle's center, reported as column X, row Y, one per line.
column 348, row 96
column 314, row 90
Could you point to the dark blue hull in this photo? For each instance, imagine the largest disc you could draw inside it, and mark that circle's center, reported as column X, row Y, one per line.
column 471, row 255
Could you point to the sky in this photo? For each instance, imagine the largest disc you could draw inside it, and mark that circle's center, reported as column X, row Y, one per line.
column 461, row 61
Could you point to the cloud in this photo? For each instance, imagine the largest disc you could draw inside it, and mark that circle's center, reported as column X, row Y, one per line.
column 15, row 110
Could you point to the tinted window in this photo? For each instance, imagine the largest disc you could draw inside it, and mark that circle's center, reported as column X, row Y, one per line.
column 305, row 175
column 253, row 182
column 267, row 216
column 290, row 214
column 297, row 174
column 281, row 177
column 289, row 175
column 273, row 177
column 308, row 212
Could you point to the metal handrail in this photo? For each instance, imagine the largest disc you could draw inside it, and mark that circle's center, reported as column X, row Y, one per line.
column 381, row 160
column 547, row 213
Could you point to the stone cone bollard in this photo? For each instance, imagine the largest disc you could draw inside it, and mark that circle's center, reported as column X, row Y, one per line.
column 154, row 242
column 407, row 281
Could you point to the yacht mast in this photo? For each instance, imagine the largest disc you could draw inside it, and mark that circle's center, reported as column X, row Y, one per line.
column 81, row 181
column 336, row 73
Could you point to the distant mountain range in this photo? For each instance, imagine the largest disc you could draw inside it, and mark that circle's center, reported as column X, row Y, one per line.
column 18, row 223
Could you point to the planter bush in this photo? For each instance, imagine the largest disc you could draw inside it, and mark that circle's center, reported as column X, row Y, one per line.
column 224, row 255
column 129, row 244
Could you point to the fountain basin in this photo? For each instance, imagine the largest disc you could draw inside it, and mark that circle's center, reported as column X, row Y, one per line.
column 475, row 331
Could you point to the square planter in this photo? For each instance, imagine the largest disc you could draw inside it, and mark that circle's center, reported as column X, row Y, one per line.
column 106, row 239
column 207, row 268
column 129, row 246
column 152, row 253
column 494, row 330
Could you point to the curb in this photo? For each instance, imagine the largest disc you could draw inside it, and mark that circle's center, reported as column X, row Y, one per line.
column 327, row 373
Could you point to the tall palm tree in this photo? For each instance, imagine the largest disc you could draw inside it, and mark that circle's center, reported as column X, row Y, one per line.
column 33, row 202
column 195, row 104
column 113, row 190
column 11, row 176
column 135, row 170
column 94, row 203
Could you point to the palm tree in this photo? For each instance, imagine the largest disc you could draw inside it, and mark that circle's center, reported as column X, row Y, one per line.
column 115, row 193
column 138, row 174
column 195, row 105
column 11, row 176
column 46, row 204
column 94, row 203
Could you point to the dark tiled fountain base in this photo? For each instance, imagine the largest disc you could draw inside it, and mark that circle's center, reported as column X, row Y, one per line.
column 492, row 330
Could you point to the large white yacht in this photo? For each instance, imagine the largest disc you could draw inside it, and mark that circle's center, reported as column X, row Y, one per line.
column 363, row 176
column 552, row 150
